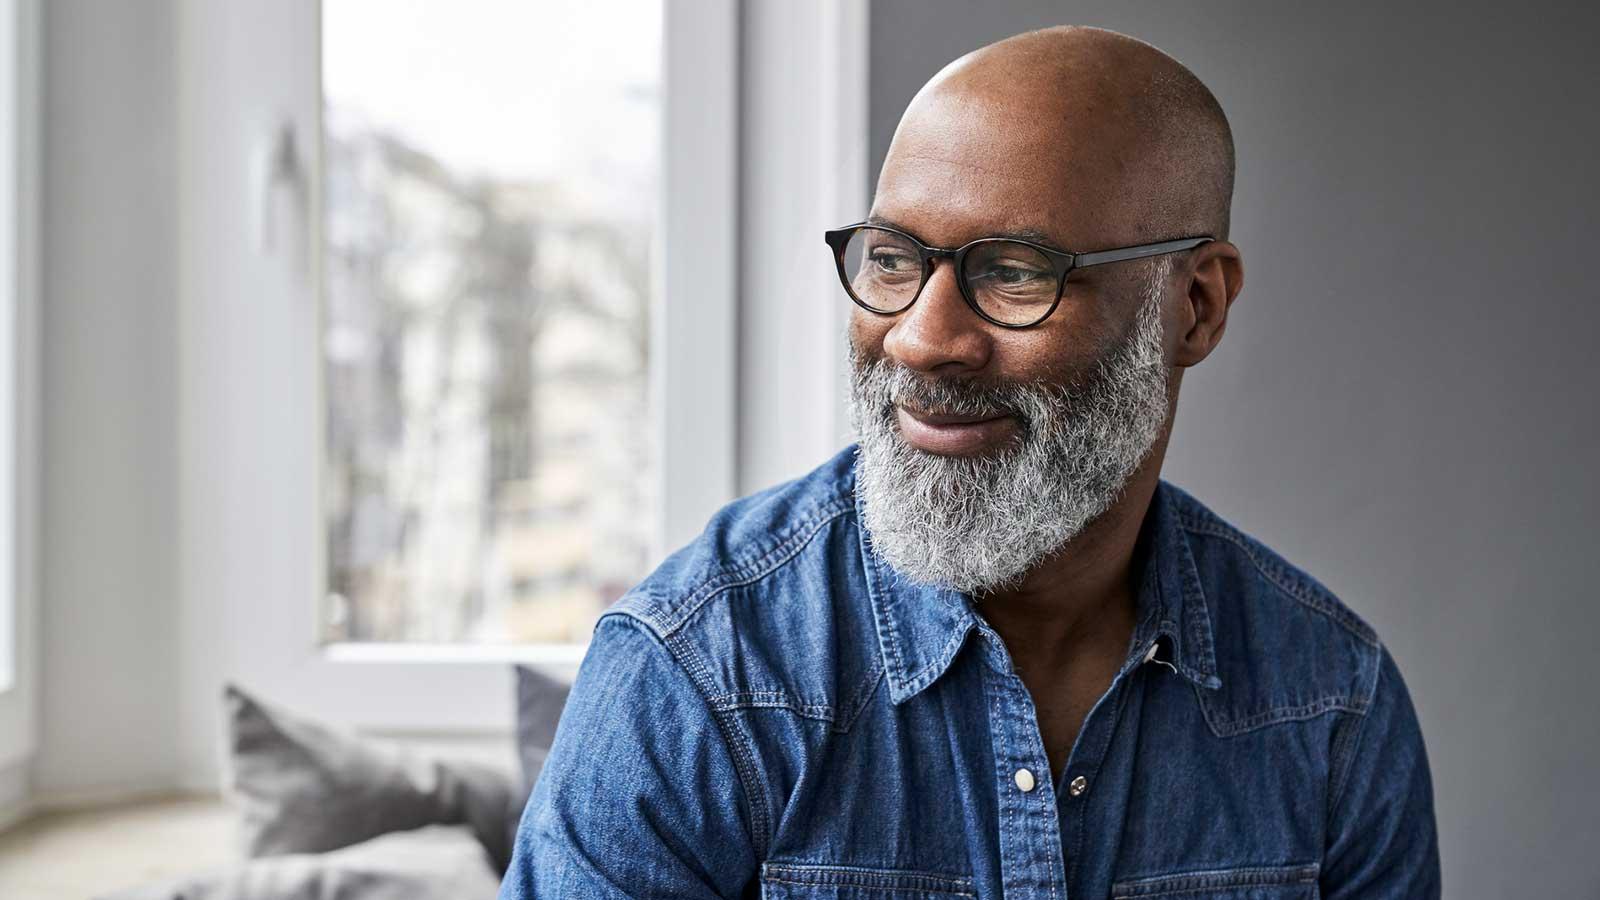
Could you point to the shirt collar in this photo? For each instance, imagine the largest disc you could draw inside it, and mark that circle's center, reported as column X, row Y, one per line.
column 921, row 627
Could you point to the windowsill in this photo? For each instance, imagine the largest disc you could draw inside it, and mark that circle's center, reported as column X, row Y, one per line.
column 89, row 852
column 557, row 655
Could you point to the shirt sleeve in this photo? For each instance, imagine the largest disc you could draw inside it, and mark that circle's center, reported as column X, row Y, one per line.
column 639, row 796
column 1382, row 837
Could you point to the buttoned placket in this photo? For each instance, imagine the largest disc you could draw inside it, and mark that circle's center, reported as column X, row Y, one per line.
column 1031, row 865
column 1086, row 761
column 1040, row 817
column 1057, row 836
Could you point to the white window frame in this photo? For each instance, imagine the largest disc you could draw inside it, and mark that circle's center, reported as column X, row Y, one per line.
column 19, row 392
column 250, row 328
column 242, row 625
column 692, row 385
column 692, row 375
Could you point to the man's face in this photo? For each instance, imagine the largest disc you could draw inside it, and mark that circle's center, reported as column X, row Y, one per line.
column 1074, row 404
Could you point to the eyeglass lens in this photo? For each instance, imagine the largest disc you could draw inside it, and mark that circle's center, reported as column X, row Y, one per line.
column 1010, row 281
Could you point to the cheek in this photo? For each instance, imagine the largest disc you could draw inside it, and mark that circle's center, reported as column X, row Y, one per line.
column 1077, row 336
column 866, row 332
column 1054, row 354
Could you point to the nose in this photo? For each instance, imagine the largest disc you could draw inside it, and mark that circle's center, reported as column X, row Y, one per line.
column 939, row 333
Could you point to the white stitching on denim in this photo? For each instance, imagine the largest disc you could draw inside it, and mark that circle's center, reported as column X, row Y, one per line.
column 1290, row 583
column 824, row 875
column 745, row 574
column 744, row 763
column 1189, row 882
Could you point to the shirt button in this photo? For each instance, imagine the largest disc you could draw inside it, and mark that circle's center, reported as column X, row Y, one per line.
column 1024, row 780
column 1078, row 785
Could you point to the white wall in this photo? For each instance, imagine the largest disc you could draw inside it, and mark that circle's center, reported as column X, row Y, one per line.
column 803, row 169
column 20, row 117
column 108, row 677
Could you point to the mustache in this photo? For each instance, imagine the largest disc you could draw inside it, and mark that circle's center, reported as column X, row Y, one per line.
column 886, row 384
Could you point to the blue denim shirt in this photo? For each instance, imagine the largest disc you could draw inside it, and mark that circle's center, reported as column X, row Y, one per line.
column 775, row 713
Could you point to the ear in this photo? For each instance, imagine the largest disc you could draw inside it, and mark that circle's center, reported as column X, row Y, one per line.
column 1215, row 276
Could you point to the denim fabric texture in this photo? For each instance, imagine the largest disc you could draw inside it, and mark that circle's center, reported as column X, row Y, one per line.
column 775, row 713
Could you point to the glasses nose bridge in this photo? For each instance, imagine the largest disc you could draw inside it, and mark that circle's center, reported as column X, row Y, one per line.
column 931, row 255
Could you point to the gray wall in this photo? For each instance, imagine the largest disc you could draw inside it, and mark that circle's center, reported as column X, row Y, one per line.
column 1404, row 401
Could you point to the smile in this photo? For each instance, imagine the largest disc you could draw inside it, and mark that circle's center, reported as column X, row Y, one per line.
column 948, row 435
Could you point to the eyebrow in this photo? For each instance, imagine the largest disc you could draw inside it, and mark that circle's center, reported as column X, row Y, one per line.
column 1021, row 234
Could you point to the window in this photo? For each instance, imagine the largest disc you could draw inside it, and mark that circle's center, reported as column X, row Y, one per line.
column 19, row 211
column 490, row 182
column 263, row 491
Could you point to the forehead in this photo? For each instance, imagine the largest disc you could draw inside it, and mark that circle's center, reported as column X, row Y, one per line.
column 961, row 168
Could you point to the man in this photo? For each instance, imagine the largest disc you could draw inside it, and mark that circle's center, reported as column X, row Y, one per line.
column 987, row 651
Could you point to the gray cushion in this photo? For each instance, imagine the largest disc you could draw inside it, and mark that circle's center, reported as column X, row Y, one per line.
column 429, row 863
column 302, row 787
column 540, row 699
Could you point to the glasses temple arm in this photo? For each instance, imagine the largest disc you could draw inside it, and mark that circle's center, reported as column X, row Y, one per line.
column 1143, row 250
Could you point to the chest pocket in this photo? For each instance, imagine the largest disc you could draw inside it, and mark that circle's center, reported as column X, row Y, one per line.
column 1297, row 882
column 804, row 881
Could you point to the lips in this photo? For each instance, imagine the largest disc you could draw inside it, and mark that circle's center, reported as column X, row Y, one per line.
column 938, row 419
column 951, row 435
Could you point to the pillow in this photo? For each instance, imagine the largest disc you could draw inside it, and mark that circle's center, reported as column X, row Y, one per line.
column 302, row 787
column 435, row 861
column 540, row 699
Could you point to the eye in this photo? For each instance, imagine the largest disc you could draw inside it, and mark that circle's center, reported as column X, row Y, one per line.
column 1012, row 274
column 892, row 259
column 1003, row 273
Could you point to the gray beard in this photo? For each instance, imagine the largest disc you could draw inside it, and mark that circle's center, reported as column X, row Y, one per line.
column 980, row 523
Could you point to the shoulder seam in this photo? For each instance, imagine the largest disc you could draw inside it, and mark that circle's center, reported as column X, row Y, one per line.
column 743, row 755
column 732, row 744
column 839, row 717
column 1354, row 742
column 746, row 573
column 1320, row 601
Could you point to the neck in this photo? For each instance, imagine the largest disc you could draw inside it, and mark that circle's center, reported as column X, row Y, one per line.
column 1081, row 598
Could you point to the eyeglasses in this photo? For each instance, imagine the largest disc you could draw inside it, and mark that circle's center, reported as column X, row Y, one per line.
column 1009, row 282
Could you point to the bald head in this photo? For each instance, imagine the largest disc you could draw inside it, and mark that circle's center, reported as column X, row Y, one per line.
column 1138, row 148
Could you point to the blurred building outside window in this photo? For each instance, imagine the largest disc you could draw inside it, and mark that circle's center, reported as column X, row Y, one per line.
column 490, row 189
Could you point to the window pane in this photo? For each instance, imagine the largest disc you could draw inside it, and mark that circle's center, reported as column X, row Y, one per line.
column 490, row 189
